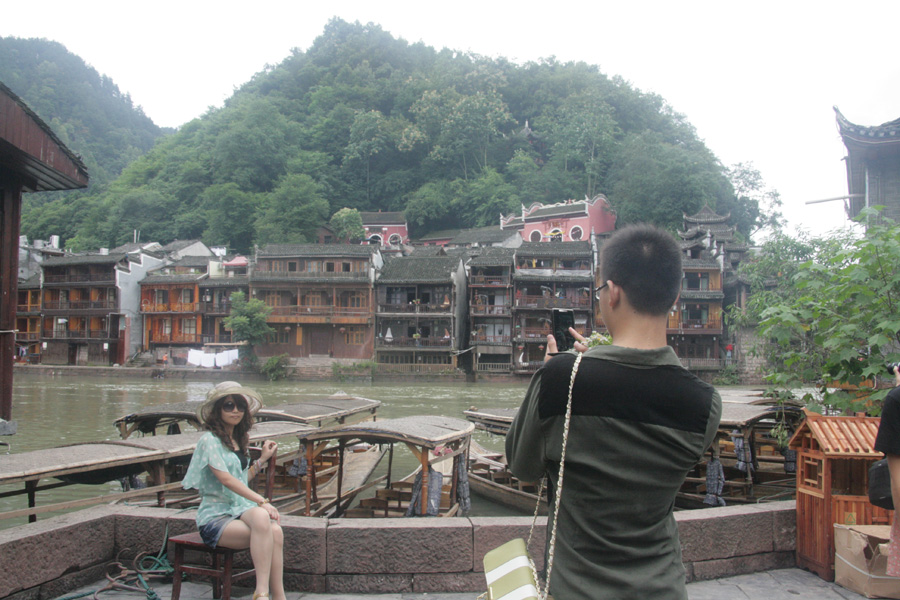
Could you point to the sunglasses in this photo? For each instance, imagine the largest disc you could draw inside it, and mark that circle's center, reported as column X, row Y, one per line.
column 231, row 406
column 597, row 291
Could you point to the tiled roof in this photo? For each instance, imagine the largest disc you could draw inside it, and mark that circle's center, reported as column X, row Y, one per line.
column 699, row 263
column 32, row 283
column 878, row 134
column 840, row 436
column 556, row 277
column 84, row 259
column 159, row 279
column 318, row 250
column 192, row 261
column 428, row 251
column 557, row 210
column 492, row 257
column 236, row 281
column 412, row 269
column 702, row 294
column 555, row 249
column 383, row 218
column 483, row 235
column 443, row 234
column 706, row 215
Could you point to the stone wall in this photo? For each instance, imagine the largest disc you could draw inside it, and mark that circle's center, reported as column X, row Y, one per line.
column 46, row 559
column 752, row 369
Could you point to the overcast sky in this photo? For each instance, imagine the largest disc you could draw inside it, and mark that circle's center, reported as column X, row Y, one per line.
column 757, row 79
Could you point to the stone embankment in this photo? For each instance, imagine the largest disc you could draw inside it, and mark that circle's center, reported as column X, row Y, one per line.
column 50, row 558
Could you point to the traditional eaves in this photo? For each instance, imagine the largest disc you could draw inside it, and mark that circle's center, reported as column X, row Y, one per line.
column 236, row 281
column 555, row 249
column 557, row 210
column 84, row 259
column 706, row 216
column 32, row 283
column 160, row 279
column 482, row 235
column 178, row 245
column 494, row 257
column 699, row 263
column 383, row 218
column 851, row 133
column 191, row 262
column 702, row 294
column 443, row 234
column 422, row 251
column 317, row 250
column 412, row 269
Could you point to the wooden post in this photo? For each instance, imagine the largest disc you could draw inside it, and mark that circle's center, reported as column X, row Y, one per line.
column 340, row 475
column 424, row 461
column 30, row 487
column 10, row 210
column 310, row 476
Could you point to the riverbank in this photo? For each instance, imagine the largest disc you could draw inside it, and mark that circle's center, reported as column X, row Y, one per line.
column 369, row 556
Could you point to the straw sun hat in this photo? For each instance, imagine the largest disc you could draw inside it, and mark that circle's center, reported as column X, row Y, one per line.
column 228, row 388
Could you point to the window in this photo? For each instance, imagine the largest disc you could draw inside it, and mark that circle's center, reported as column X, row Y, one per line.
column 165, row 327
column 189, row 326
column 160, row 296
column 187, row 296
column 292, row 266
column 576, row 233
column 556, row 235
column 329, row 267
column 535, row 236
column 394, row 239
column 375, row 239
column 355, row 336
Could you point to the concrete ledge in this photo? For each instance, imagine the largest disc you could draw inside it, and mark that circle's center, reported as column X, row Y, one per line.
column 48, row 558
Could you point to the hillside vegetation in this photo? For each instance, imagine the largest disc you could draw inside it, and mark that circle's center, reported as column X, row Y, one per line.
column 367, row 121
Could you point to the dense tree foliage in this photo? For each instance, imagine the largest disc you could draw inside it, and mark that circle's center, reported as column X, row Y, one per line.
column 833, row 316
column 89, row 114
column 365, row 121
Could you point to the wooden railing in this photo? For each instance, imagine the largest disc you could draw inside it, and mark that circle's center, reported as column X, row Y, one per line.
column 489, row 280
column 491, row 339
column 490, row 309
column 22, row 308
column 493, row 367
column 328, row 311
column 412, row 307
column 412, row 368
column 703, row 363
column 695, row 324
column 423, row 342
column 69, row 334
column 28, row 336
column 353, row 275
column 552, row 302
column 79, row 277
column 189, row 338
column 529, row 367
column 80, row 304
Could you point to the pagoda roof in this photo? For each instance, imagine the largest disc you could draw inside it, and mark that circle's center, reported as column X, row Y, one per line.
column 555, row 249
column 383, row 218
column 859, row 135
column 412, row 269
column 317, row 250
column 706, row 215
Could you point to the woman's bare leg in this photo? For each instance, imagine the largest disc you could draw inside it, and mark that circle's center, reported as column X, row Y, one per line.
column 276, row 576
column 253, row 529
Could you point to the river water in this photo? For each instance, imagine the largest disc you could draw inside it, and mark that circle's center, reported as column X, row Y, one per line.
column 53, row 411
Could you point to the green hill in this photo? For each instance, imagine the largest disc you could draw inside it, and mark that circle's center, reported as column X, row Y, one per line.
column 364, row 120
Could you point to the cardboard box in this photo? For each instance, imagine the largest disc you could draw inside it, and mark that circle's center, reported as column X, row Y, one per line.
column 860, row 560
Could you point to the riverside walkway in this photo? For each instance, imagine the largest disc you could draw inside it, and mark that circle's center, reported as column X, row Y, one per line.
column 782, row 584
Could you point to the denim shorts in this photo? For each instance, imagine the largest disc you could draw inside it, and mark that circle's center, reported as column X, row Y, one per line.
column 212, row 531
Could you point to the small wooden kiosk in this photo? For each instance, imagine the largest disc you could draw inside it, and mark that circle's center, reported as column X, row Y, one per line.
column 833, row 458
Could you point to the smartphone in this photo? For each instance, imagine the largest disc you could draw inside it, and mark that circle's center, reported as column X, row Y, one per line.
column 562, row 320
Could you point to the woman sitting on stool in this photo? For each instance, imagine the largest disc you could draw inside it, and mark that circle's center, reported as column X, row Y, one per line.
column 232, row 514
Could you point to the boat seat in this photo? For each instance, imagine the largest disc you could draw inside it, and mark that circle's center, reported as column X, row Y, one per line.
column 222, row 571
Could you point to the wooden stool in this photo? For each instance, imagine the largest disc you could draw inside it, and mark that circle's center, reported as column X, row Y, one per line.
column 222, row 574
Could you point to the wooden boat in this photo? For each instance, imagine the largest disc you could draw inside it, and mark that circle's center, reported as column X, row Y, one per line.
column 438, row 443
column 317, row 411
column 489, row 477
column 745, row 416
column 102, row 461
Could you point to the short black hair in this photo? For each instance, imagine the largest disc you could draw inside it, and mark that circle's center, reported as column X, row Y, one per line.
column 645, row 261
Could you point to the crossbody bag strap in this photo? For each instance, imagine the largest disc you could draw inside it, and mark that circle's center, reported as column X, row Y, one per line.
column 559, row 485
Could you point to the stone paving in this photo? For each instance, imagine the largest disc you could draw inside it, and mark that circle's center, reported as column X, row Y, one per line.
column 783, row 584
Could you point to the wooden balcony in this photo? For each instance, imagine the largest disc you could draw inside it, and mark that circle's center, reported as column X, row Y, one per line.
column 493, row 367
column 413, row 308
column 80, row 278
column 300, row 275
column 28, row 308
column 28, row 336
column 322, row 311
column 413, row 368
column 215, row 308
column 500, row 310
column 552, row 302
column 489, row 280
column 491, row 339
column 695, row 325
column 75, row 305
column 169, row 307
column 76, row 334
column 189, row 338
column 411, row 342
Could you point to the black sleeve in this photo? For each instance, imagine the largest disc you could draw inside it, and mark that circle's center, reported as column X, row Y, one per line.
column 888, row 439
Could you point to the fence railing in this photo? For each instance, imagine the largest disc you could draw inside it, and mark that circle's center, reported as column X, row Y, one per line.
column 351, row 276
column 189, row 338
column 489, row 280
column 23, row 308
column 551, row 302
column 703, row 363
column 79, row 277
column 411, row 342
column 493, row 367
column 412, row 368
column 326, row 311
column 80, row 305
column 70, row 334
column 489, row 309
column 695, row 324
column 491, row 339
column 413, row 308
column 28, row 336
